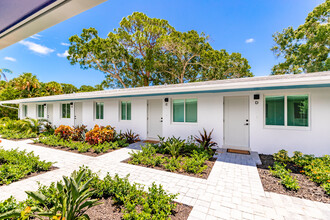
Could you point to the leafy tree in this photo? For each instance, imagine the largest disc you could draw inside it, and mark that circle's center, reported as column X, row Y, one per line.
column 305, row 49
column 182, row 56
column 85, row 88
column 126, row 56
column 28, row 84
column 147, row 51
column 3, row 73
column 222, row 65
column 191, row 58
column 52, row 88
column 68, row 88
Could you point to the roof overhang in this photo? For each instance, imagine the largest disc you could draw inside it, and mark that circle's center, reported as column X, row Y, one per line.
column 20, row 19
column 313, row 80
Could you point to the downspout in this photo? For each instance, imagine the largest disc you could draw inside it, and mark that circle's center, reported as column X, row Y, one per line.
column 6, row 106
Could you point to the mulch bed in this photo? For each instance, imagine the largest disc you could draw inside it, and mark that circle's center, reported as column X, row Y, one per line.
column 33, row 174
column 308, row 189
column 204, row 175
column 88, row 153
column 107, row 210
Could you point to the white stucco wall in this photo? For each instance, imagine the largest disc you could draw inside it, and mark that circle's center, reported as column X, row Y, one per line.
column 312, row 140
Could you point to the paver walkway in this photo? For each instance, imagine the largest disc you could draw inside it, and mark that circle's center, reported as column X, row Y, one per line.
column 232, row 191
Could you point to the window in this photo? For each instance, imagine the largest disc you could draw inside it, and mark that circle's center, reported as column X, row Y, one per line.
column 185, row 110
column 25, row 111
column 275, row 110
column 41, row 111
column 66, row 110
column 293, row 108
column 298, row 110
column 99, row 109
column 126, row 110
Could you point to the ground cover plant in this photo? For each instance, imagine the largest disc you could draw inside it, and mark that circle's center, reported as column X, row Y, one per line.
column 15, row 165
column 20, row 129
column 97, row 141
column 76, row 196
column 301, row 175
column 192, row 156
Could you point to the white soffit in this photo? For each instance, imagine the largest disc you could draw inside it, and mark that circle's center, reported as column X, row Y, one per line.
column 27, row 23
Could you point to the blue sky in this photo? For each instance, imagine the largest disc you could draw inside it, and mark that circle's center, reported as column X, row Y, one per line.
column 244, row 26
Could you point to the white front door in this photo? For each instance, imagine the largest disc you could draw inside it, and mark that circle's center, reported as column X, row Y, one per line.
column 236, row 122
column 155, row 118
column 77, row 113
column 50, row 113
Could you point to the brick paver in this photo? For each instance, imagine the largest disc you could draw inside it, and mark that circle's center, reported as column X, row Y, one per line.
column 233, row 189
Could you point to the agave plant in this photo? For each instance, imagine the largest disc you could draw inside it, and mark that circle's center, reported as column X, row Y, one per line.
column 205, row 139
column 72, row 200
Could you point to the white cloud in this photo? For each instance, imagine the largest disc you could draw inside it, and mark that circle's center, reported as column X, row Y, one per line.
column 65, row 54
column 36, row 36
column 250, row 40
column 38, row 48
column 65, row 44
column 10, row 59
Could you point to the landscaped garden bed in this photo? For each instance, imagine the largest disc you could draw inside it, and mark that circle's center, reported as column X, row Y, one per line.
column 16, row 165
column 98, row 141
column 84, row 195
column 193, row 157
column 302, row 176
column 20, row 129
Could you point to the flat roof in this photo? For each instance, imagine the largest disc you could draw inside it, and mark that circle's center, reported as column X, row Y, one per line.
column 309, row 80
column 20, row 19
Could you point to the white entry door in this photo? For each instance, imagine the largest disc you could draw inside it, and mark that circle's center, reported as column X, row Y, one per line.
column 77, row 113
column 155, row 118
column 236, row 122
column 50, row 113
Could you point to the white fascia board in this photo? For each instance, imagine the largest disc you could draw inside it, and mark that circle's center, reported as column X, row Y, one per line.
column 233, row 84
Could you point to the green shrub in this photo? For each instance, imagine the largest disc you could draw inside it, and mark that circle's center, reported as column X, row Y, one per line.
column 326, row 187
column 154, row 203
column 82, row 147
column 281, row 156
column 20, row 129
column 15, row 165
column 287, row 180
column 195, row 164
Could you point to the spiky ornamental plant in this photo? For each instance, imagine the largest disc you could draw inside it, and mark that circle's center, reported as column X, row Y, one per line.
column 205, row 139
column 72, row 201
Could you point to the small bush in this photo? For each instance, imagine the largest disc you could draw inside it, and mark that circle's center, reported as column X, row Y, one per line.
column 281, row 156
column 15, row 165
column 64, row 132
column 287, row 180
column 79, row 132
column 99, row 135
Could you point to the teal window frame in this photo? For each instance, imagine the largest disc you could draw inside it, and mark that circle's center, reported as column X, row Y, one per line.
column 184, row 104
column 304, row 121
column 65, row 110
column 125, row 110
column 40, row 111
column 99, row 110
